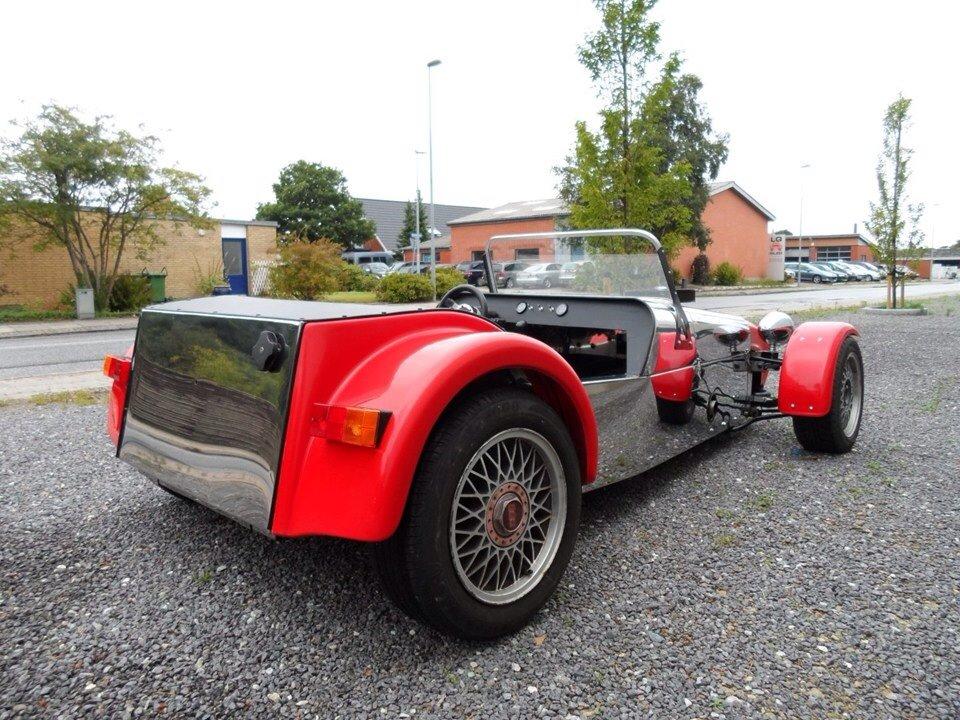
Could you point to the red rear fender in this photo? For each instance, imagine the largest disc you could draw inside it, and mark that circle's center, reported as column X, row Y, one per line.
column 327, row 487
column 809, row 363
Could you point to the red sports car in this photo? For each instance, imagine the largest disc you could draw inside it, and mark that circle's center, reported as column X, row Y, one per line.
column 459, row 440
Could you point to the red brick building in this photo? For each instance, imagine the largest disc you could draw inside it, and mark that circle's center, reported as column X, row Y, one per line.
column 843, row 246
column 738, row 226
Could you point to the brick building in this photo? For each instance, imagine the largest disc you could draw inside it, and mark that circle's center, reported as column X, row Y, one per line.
column 738, row 226
column 186, row 254
column 843, row 246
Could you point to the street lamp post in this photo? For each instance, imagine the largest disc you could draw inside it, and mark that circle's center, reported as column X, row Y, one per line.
column 416, row 233
column 433, row 220
column 800, row 235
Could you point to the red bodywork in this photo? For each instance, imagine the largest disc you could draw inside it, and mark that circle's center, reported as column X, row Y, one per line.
column 677, row 355
column 117, row 368
column 809, row 363
column 412, row 366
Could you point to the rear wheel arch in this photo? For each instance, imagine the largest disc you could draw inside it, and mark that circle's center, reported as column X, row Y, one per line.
column 542, row 386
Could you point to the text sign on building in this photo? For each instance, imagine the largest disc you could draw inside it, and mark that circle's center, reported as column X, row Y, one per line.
column 775, row 256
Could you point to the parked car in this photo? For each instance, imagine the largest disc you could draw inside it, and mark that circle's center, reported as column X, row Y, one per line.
column 880, row 270
column 377, row 269
column 363, row 257
column 568, row 272
column 857, row 273
column 410, row 268
column 477, row 273
column 540, row 275
column 459, row 441
column 510, row 272
column 904, row 271
column 842, row 275
column 811, row 273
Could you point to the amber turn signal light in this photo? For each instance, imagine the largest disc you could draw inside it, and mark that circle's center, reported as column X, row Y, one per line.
column 350, row 425
column 115, row 367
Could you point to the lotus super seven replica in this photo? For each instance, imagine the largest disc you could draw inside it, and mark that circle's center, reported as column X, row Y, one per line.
column 459, row 439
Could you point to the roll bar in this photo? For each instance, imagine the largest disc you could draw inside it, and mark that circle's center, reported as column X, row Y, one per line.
column 682, row 324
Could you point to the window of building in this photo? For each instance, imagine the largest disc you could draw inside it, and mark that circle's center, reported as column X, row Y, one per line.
column 527, row 254
column 476, row 255
column 834, row 253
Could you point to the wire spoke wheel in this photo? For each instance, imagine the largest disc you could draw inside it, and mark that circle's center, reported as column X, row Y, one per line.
column 508, row 516
column 851, row 396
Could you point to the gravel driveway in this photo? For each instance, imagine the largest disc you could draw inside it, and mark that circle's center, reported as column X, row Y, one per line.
column 749, row 579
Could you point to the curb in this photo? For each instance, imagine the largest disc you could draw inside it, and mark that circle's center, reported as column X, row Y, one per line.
column 894, row 311
column 26, row 330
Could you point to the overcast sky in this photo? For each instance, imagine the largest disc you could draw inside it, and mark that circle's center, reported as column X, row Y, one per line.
column 237, row 90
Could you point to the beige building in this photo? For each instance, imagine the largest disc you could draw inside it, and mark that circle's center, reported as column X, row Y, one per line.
column 187, row 254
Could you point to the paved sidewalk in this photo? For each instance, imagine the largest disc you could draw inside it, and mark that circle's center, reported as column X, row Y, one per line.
column 23, row 388
column 65, row 327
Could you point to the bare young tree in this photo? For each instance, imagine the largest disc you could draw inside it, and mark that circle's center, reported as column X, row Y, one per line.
column 894, row 222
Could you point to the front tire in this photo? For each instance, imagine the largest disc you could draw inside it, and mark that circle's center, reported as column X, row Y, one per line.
column 836, row 432
column 491, row 519
column 547, row 283
column 816, row 278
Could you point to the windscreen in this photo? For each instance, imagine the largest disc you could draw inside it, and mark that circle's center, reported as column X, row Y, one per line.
column 607, row 266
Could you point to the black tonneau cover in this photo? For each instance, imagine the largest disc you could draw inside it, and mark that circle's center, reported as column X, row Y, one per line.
column 273, row 309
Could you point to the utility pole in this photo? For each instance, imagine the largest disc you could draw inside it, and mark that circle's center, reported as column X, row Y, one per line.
column 433, row 218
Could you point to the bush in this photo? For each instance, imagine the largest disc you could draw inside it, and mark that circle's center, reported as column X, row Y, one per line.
column 354, row 279
column 700, row 270
column 204, row 281
column 130, row 293
column 447, row 278
column 728, row 274
column 403, row 288
column 307, row 271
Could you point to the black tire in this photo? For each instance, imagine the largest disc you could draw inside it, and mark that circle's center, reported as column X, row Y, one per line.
column 510, row 282
column 836, row 432
column 416, row 565
column 673, row 412
column 816, row 278
column 547, row 283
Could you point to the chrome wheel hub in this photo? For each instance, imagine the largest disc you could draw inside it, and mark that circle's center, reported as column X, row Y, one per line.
column 851, row 396
column 508, row 515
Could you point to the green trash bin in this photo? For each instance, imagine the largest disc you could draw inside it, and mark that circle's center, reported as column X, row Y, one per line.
column 158, row 284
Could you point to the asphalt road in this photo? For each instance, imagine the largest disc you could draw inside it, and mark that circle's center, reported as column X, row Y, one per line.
column 59, row 354
column 746, row 579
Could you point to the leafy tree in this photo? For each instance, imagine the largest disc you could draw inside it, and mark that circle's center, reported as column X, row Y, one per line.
column 894, row 222
column 648, row 163
column 677, row 124
column 312, row 202
column 410, row 222
column 95, row 190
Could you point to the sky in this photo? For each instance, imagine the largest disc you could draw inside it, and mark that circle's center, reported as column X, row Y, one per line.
column 237, row 90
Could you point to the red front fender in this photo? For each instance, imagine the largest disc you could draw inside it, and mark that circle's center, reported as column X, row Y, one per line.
column 329, row 488
column 809, row 364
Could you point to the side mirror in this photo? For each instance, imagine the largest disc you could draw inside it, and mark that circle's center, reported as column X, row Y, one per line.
column 730, row 335
column 776, row 327
column 686, row 295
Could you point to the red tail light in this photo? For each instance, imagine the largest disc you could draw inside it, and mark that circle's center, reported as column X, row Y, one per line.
column 118, row 369
column 351, row 425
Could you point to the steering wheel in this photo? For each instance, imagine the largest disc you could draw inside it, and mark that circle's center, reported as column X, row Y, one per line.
column 449, row 300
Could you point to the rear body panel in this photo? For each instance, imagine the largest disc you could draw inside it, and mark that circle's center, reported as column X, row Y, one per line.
column 202, row 419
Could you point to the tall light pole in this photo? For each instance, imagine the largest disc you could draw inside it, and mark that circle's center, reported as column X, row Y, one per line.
column 800, row 235
column 418, row 236
column 433, row 219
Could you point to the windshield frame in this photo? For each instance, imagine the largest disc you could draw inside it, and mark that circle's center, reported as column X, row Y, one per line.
column 681, row 317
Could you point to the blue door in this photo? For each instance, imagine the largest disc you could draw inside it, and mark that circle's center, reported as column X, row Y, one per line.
column 235, row 264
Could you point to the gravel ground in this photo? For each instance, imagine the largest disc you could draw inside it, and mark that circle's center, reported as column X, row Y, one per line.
column 749, row 579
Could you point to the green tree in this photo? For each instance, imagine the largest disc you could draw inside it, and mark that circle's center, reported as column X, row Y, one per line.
column 410, row 222
column 95, row 190
column 894, row 223
column 312, row 202
column 677, row 124
column 648, row 163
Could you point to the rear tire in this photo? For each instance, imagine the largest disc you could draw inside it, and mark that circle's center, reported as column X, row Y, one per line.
column 497, row 492
column 836, row 432
column 547, row 283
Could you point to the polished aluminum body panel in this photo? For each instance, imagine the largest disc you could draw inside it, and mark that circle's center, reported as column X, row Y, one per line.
column 633, row 439
column 203, row 420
